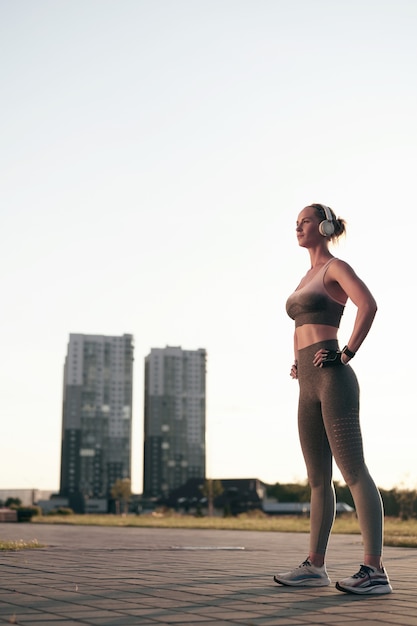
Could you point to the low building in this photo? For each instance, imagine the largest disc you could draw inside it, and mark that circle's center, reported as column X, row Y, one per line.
column 52, row 504
column 239, row 495
column 27, row 497
column 8, row 515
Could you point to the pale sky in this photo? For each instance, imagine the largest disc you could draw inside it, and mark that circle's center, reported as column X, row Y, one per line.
column 155, row 155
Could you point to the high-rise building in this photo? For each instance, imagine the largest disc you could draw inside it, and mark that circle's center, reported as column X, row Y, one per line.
column 175, row 419
column 97, row 417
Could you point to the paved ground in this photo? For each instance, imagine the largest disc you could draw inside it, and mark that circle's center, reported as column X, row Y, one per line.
column 149, row 577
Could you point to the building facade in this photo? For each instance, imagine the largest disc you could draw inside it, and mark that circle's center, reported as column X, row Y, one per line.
column 175, row 419
column 97, row 419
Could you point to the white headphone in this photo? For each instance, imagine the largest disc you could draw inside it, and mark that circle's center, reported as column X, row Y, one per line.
column 326, row 227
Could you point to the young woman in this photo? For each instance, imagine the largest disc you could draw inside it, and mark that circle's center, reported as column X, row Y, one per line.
column 328, row 411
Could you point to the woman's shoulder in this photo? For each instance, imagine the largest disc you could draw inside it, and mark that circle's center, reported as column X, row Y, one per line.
column 337, row 264
column 337, row 268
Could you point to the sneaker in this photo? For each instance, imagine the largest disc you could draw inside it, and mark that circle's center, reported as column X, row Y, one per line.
column 369, row 580
column 305, row 575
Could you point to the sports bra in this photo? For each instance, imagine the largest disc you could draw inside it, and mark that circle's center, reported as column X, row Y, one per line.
column 312, row 304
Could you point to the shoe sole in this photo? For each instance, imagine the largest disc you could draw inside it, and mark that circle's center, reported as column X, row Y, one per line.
column 377, row 590
column 302, row 583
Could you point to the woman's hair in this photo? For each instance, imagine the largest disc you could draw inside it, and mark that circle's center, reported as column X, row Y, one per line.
column 339, row 223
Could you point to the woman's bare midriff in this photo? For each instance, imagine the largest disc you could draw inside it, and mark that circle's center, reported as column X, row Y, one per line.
column 308, row 334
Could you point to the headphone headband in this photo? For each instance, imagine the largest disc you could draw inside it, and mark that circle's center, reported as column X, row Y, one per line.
column 327, row 212
column 327, row 226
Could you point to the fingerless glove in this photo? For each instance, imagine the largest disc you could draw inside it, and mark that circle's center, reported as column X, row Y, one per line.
column 332, row 358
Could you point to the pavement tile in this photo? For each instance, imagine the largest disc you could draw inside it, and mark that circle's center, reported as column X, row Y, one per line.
column 150, row 577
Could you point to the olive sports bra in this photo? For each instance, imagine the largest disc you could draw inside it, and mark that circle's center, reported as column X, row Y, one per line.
column 312, row 304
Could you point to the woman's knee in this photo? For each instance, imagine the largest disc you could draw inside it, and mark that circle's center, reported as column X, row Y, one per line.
column 352, row 476
column 320, row 481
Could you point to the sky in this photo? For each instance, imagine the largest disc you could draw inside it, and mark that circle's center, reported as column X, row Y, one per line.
column 154, row 157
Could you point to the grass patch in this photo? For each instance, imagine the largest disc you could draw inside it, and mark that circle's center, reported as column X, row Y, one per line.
column 398, row 533
column 20, row 545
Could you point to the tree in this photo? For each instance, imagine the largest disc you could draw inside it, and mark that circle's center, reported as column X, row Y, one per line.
column 13, row 501
column 211, row 489
column 121, row 492
column 406, row 499
column 291, row 492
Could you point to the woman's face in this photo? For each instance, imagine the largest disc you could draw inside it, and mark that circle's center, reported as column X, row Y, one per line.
column 307, row 228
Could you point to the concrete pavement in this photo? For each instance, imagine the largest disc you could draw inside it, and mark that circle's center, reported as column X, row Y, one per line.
column 148, row 577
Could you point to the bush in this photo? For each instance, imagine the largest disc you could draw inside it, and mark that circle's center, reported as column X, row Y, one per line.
column 61, row 510
column 25, row 513
column 253, row 514
column 12, row 502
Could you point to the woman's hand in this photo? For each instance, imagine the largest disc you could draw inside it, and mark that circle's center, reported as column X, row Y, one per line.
column 294, row 370
column 319, row 357
column 326, row 358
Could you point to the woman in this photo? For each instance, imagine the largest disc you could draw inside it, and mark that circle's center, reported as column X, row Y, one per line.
column 328, row 412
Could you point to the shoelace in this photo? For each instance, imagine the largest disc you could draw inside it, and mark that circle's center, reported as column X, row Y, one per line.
column 363, row 572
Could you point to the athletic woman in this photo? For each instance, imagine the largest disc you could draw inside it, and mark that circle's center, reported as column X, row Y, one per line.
column 328, row 411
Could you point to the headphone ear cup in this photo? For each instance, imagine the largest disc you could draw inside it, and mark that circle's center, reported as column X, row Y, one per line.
column 326, row 228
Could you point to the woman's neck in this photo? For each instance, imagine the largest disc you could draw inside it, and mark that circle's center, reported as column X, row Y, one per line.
column 319, row 257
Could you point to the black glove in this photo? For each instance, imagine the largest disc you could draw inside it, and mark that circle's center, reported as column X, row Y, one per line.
column 332, row 358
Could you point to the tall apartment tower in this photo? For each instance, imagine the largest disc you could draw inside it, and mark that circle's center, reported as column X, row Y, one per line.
column 97, row 418
column 175, row 419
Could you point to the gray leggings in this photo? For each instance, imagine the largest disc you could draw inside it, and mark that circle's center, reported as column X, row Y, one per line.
column 328, row 422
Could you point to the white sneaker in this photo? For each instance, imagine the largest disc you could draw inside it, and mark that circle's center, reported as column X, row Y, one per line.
column 369, row 580
column 305, row 575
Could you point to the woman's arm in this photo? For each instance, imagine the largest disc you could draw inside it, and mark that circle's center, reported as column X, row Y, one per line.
column 341, row 273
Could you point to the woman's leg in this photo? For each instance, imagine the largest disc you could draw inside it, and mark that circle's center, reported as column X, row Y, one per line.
column 318, row 459
column 317, row 456
column 340, row 406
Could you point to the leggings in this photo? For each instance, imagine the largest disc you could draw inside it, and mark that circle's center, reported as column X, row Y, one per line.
column 329, row 427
